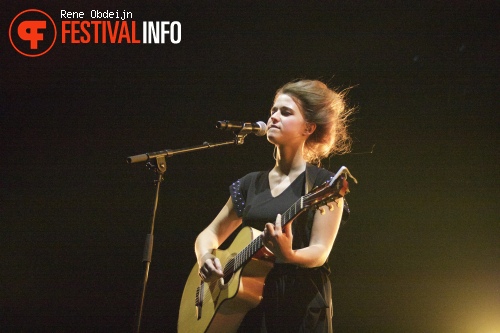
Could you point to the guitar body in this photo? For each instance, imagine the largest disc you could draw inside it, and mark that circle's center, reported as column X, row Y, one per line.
column 224, row 303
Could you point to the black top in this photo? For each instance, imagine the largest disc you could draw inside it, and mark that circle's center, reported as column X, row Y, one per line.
column 256, row 205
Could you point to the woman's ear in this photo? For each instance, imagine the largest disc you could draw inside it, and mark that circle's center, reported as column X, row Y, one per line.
column 310, row 128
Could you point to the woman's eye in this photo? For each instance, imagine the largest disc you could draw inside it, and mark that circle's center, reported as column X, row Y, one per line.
column 283, row 112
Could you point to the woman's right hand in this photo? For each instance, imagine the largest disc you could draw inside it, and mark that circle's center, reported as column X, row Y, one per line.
column 210, row 268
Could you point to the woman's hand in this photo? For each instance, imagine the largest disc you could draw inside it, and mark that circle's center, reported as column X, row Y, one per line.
column 279, row 240
column 210, row 268
column 323, row 233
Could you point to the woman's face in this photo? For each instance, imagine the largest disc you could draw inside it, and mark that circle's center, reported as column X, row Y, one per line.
column 286, row 124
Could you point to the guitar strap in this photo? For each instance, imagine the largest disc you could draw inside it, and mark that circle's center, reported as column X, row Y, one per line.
column 311, row 173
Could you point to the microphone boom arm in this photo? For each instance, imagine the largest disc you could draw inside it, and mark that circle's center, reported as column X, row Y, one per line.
column 238, row 140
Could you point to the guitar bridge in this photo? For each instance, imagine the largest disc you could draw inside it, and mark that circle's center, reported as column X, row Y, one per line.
column 199, row 299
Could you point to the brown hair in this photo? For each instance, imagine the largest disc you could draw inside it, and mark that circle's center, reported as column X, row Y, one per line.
column 328, row 110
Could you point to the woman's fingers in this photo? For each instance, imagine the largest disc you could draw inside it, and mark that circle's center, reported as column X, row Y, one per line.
column 277, row 226
column 288, row 230
column 218, row 267
column 211, row 269
column 268, row 233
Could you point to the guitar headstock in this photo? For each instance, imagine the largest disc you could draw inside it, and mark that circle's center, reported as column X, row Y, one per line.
column 336, row 187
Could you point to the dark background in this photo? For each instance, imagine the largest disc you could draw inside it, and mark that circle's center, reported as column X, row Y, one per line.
column 420, row 253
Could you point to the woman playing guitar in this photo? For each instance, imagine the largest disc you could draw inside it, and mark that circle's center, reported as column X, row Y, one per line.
column 307, row 123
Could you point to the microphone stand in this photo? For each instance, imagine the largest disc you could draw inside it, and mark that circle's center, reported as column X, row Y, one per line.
column 156, row 162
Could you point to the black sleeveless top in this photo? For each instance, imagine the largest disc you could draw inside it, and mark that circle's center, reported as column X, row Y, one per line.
column 295, row 299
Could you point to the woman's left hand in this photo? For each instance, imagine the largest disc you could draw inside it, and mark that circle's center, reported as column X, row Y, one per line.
column 279, row 240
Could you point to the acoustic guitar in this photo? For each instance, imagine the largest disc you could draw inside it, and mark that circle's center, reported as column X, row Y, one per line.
column 221, row 305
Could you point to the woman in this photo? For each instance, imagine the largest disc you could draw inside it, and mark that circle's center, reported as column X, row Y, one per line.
column 307, row 123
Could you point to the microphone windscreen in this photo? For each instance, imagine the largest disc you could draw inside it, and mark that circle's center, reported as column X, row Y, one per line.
column 262, row 128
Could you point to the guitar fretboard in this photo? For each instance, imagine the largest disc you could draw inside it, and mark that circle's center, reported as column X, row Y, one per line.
column 241, row 258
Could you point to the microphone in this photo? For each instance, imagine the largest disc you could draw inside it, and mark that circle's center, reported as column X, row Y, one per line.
column 258, row 128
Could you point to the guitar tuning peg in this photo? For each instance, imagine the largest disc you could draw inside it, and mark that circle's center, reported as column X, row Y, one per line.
column 338, row 204
column 322, row 211
column 330, row 207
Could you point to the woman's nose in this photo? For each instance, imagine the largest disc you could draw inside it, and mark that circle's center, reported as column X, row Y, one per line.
column 274, row 117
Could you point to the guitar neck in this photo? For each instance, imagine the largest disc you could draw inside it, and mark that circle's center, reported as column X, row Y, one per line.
column 241, row 258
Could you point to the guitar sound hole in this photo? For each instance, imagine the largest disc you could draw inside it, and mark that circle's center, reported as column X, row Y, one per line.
column 226, row 279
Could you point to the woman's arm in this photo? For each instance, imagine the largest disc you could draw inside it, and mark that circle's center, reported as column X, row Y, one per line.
column 323, row 234
column 212, row 237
